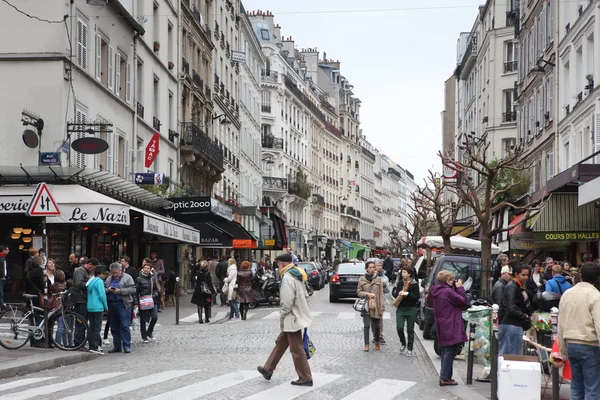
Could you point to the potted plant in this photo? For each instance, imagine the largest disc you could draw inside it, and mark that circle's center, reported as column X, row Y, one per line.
column 156, row 46
column 171, row 65
column 544, row 333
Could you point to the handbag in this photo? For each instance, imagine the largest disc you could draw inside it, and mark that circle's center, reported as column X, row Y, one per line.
column 362, row 305
column 204, row 289
column 309, row 347
column 146, row 302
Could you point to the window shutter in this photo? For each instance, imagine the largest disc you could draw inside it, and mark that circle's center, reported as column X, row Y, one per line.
column 128, row 83
column 109, row 152
column 551, row 92
column 597, row 137
column 82, row 44
column 118, row 74
column 116, row 153
column 111, row 68
column 98, row 57
column 80, row 157
column 126, row 161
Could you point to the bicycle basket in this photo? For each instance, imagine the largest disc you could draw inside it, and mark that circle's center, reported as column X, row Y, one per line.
column 67, row 300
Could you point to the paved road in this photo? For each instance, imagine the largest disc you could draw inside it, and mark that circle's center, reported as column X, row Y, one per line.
column 218, row 361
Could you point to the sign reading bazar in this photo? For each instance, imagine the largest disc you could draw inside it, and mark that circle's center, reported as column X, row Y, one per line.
column 574, row 236
column 170, row 230
column 91, row 214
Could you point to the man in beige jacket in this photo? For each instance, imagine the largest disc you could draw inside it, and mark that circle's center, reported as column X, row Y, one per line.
column 295, row 316
column 579, row 334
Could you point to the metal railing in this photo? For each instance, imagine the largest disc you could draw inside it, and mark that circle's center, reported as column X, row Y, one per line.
column 156, row 123
column 269, row 76
column 271, row 182
column 197, row 80
column 265, row 108
column 193, row 135
column 271, row 142
column 140, row 110
column 510, row 116
column 185, row 65
column 511, row 66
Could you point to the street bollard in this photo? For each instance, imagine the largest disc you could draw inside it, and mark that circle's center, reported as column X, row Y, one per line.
column 471, row 358
column 555, row 375
column 494, row 353
column 177, row 289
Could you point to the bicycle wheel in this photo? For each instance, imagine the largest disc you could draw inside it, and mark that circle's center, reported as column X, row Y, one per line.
column 14, row 327
column 68, row 330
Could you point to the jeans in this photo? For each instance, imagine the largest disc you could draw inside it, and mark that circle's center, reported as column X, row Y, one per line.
column 510, row 339
column 585, row 362
column 408, row 315
column 447, row 354
column 120, row 318
column 81, row 309
column 234, row 310
column 374, row 323
column 61, row 334
column 95, row 319
column 148, row 316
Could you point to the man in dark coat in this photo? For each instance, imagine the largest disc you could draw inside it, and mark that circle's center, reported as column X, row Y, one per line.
column 388, row 266
column 221, row 272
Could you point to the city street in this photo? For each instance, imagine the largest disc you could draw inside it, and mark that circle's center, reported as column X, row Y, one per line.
column 218, row 361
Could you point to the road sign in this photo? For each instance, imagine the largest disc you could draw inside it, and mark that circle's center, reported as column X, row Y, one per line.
column 450, row 171
column 42, row 203
column 49, row 158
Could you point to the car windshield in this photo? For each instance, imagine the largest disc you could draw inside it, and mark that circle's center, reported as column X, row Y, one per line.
column 351, row 268
column 307, row 266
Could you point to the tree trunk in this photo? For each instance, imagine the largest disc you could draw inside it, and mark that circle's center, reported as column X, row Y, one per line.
column 486, row 264
column 447, row 244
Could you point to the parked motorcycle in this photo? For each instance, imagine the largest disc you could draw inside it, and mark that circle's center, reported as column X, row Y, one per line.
column 266, row 289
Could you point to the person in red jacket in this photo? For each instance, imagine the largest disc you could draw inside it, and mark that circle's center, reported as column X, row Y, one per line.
column 449, row 300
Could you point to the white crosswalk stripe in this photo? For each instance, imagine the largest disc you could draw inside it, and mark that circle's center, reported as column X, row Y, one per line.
column 273, row 315
column 285, row 391
column 129, row 385
column 347, row 315
column 47, row 390
column 23, row 382
column 208, row 386
column 381, row 389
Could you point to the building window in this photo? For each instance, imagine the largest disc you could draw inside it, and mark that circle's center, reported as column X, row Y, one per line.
column 264, row 34
column 82, row 39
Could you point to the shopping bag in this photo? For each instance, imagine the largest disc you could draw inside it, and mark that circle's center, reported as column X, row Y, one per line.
column 309, row 347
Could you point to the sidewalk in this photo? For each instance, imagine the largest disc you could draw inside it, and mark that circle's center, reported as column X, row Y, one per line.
column 478, row 390
column 28, row 360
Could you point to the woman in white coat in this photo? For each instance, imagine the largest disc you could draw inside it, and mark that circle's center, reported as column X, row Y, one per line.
column 231, row 284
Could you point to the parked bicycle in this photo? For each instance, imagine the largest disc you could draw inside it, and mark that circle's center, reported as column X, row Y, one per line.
column 67, row 330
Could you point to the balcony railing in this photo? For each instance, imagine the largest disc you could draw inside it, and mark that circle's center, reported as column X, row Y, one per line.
column 192, row 135
column 510, row 116
column 511, row 18
column 222, row 40
column 185, row 65
column 208, row 92
column 156, row 123
column 291, row 85
column 273, row 183
column 265, row 108
column 271, row 142
column 217, row 34
column 227, row 50
column 318, row 200
column 197, row 80
column 269, row 76
column 332, row 129
column 511, row 66
column 140, row 110
column 216, row 83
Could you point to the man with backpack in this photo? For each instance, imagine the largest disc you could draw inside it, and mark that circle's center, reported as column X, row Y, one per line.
column 558, row 284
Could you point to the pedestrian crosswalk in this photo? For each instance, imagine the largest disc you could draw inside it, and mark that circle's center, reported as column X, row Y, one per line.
column 274, row 315
column 167, row 384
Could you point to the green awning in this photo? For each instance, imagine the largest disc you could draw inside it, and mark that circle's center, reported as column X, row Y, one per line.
column 358, row 250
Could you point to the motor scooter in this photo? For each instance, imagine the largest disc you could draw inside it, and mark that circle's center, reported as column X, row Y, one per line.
column 266, row 289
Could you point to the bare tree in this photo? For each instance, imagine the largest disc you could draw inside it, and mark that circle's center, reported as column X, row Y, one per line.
column 420, row 223
column 488, row 186
column 445, row 214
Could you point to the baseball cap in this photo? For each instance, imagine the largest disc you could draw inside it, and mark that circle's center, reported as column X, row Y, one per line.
column 93, row 261
column 506, row 268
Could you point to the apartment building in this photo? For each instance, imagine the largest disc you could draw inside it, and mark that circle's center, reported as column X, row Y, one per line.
column 366, row 189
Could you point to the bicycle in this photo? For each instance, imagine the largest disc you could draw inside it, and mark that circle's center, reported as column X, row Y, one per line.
column 68, row 330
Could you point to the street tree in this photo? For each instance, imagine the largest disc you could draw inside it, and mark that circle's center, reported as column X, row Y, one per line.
column 488, row 186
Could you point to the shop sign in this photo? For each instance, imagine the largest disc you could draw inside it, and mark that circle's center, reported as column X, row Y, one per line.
column 149, row 179
column 238, row 56
column 520, row 244
column 152, row 150
column 269, row 242
column 14, row 204
column 170, row 230
column 112, row 214
column 190, row 204
column 566, row 236
column 90, row 145
column 221, row 210
column 211, row 241
column 244, row 244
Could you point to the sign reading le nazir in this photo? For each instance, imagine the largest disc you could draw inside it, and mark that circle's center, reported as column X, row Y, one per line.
column 560, row 236
column 92, row 214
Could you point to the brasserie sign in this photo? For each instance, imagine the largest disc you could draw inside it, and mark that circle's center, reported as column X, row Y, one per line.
column 170, row 230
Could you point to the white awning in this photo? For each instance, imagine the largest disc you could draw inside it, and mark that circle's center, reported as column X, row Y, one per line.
column 169, row 228
column 79, row 205
column 456, row 242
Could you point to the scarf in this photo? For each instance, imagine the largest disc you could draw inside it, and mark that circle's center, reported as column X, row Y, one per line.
column 296, row 272
column 369, row 277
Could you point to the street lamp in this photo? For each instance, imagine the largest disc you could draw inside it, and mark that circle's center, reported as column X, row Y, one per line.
column 224, row 121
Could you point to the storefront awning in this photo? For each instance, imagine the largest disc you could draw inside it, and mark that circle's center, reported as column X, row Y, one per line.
column 561, row 213
column 158, row 225
column 347, row 244
column 232, row 228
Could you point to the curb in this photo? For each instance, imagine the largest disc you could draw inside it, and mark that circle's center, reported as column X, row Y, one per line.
column 33, row 364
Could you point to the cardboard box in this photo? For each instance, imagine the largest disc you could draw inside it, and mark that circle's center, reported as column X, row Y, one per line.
column 519, row 377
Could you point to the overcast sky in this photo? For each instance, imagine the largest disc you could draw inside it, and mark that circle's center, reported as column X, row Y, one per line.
column 396, row 53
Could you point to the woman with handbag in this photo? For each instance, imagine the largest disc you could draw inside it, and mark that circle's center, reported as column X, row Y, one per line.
column 370, row 288
column 147, row 290
column 406, row 295
column 203, row 292
column 245, row 294
column 230, row 288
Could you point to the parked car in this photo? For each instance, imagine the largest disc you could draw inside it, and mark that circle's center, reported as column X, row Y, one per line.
column 463, row 267
column 344, row 282
column 315, row 277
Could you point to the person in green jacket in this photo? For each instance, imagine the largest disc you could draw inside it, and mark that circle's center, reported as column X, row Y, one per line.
column 96, row 306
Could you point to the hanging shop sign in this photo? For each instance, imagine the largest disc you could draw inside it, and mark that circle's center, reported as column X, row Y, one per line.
column 152, row 150
column 238, row 56
column 559, row 236
column 90, row 145
column 269, row 242
column 244, row 244
column 31, row 139
column 92, row 214
column 170, row 230
column 149, row 179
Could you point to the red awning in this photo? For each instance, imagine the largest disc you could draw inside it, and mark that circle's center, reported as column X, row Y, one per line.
column 516, row 225
column 382, row 252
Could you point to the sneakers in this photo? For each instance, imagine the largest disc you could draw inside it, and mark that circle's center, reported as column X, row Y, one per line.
column 409, row 353
column 106, row 341
column 402, row 349
column 150, row 338
column 146, row 341
column 99, row 351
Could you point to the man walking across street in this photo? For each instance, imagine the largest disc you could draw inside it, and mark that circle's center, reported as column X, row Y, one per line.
column 388, row 266
column 221, row 273
column 3, row 271
column 558, row 284
column 295, row 316
column 579, row 334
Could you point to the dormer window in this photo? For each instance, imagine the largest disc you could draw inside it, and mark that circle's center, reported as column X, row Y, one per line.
column 264, row 33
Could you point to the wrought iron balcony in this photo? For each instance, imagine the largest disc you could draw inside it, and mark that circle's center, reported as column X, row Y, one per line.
column 318, row 199
column 197, row 80
column 510, row 116
column 156, row 123
column 217, row 34
column 511, row 66
column 291, row 85
column 269, row 76
column 271, row 142
column 227, row 49
column 192, row 135
column 332, row 129
column 266, row 108
column 271, row 183
column 185, row 65
column 208, row 92
column 140, row 110
column 216, row 84
column 222, row 40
